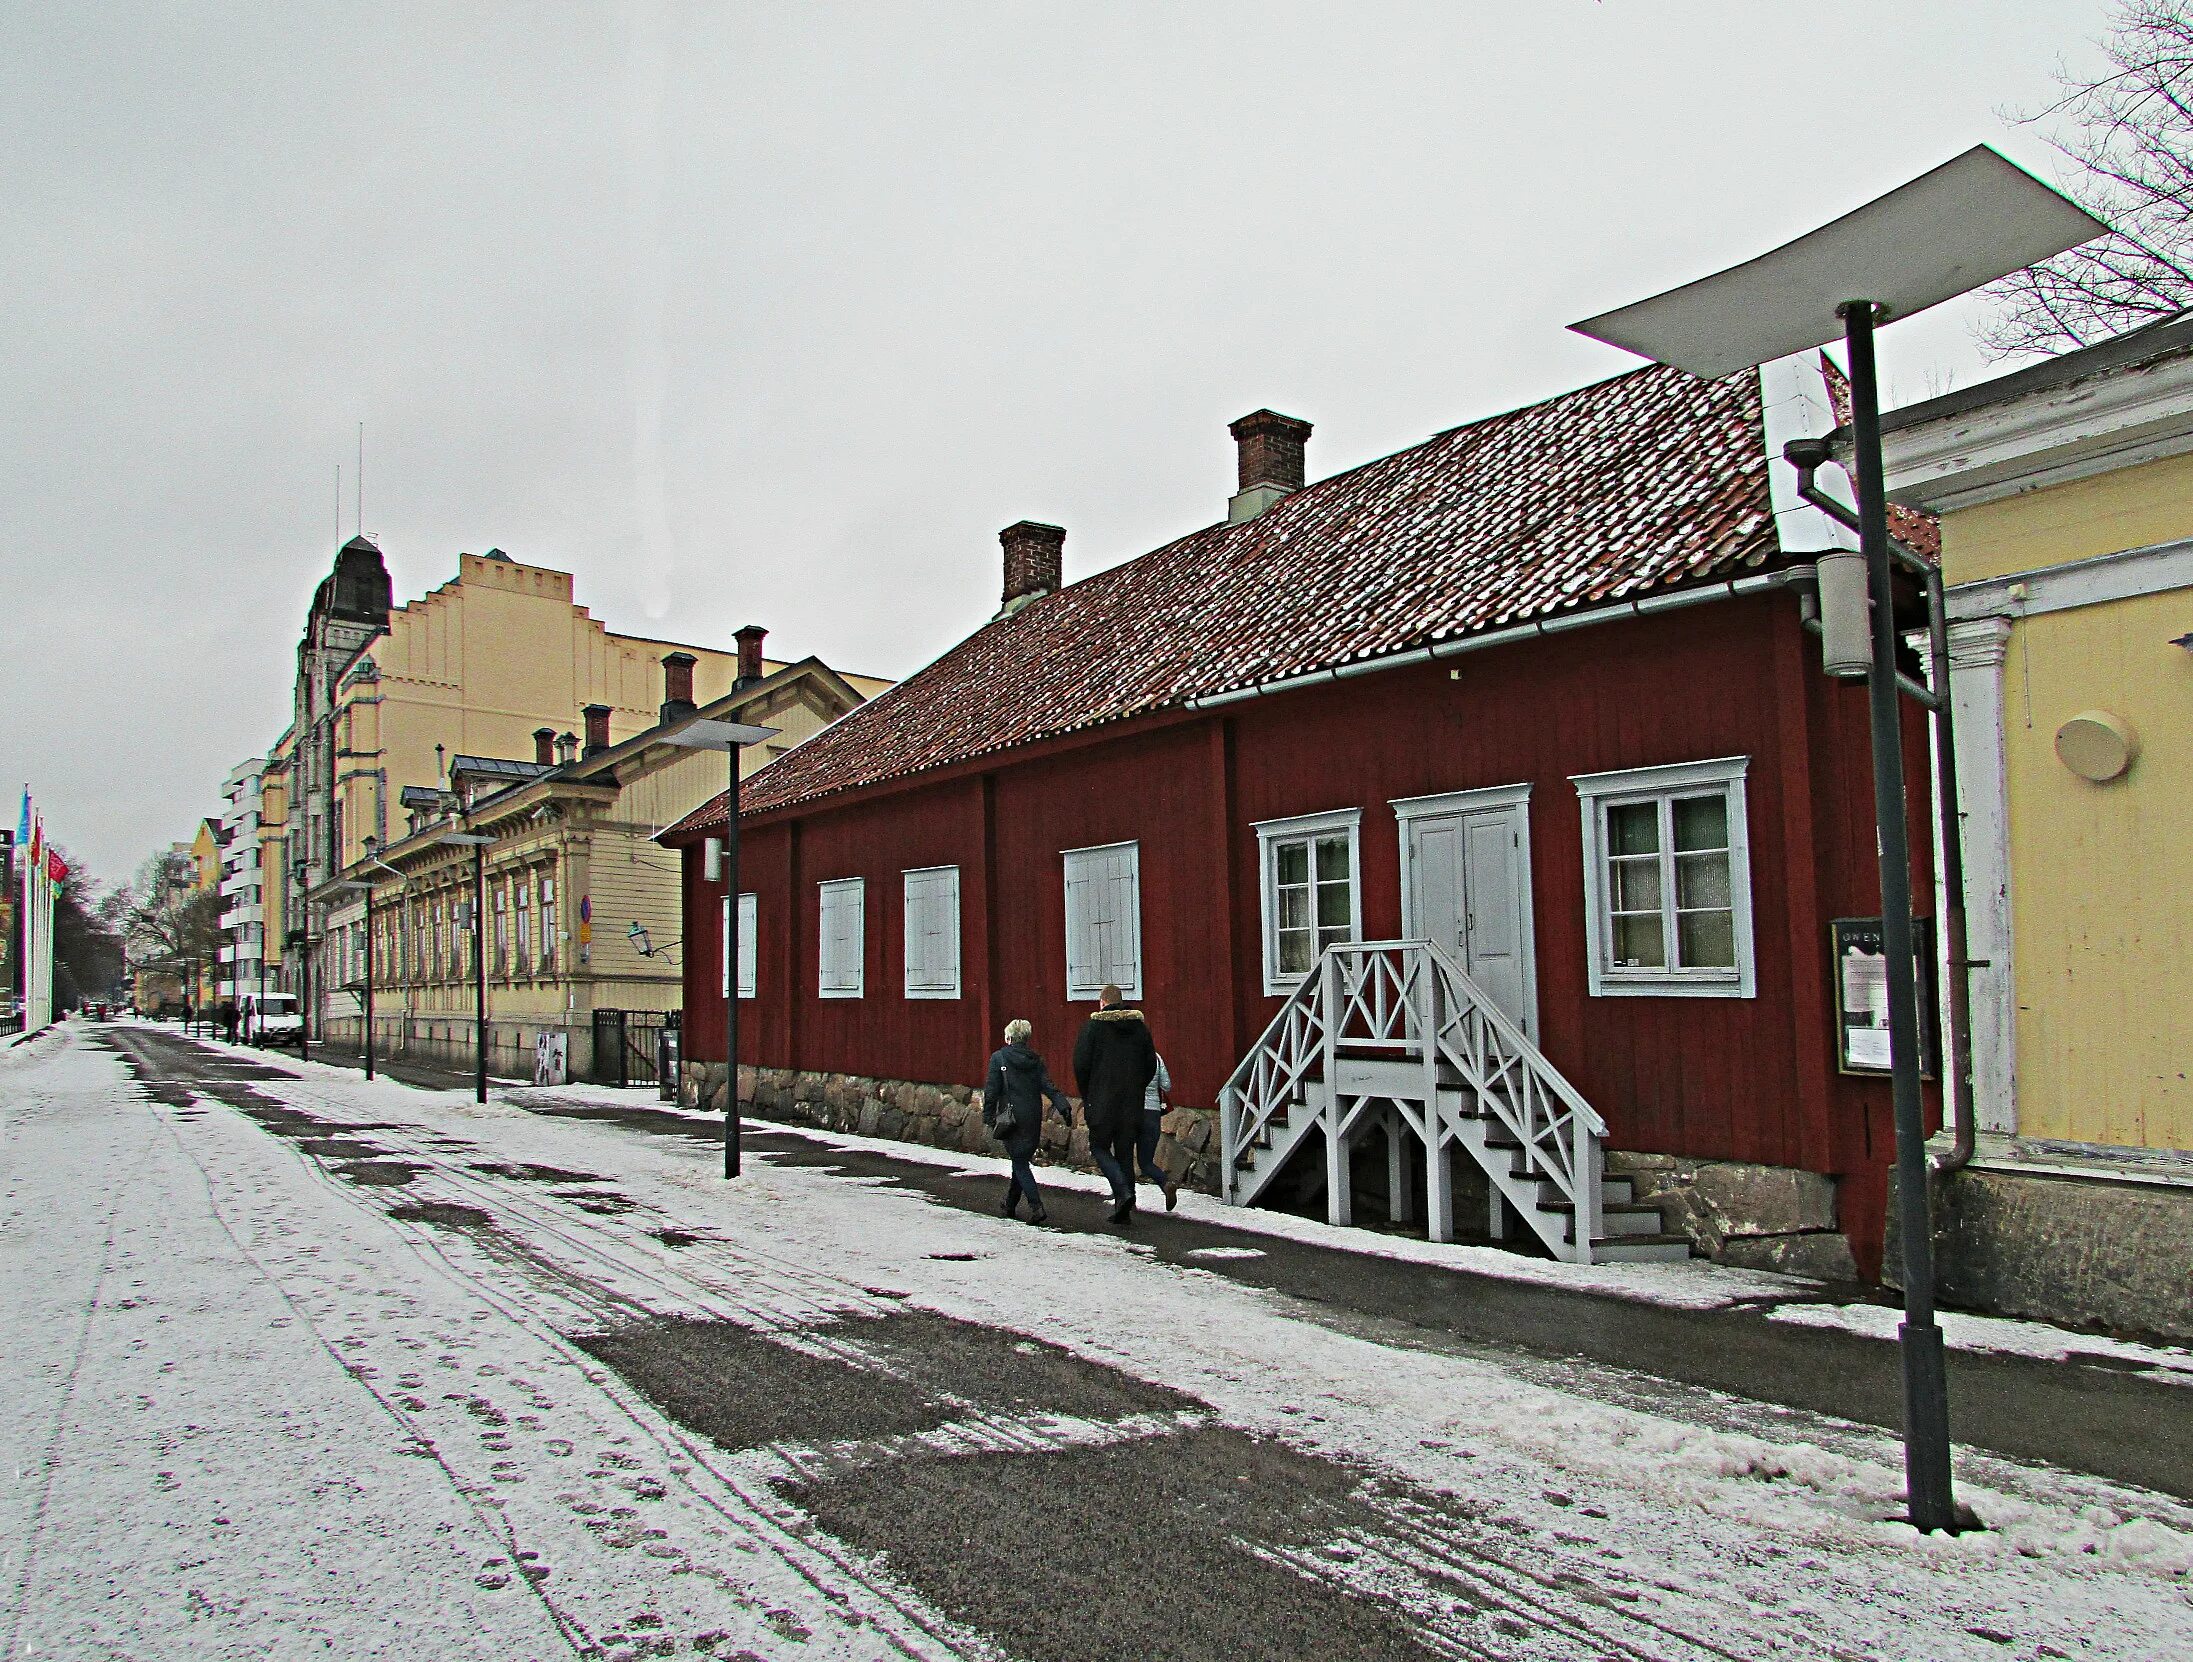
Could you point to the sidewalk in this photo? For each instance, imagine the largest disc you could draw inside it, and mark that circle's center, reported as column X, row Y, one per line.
column 2033, row 1393
column 427, row 1076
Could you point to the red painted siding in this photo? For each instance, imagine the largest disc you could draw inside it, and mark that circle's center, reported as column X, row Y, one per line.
column 1745, row 1079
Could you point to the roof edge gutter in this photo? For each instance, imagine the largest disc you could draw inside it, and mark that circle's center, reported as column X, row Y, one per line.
column 1730, row 588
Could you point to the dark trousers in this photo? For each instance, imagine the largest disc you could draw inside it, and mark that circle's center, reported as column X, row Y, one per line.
column 1022, row 1184
column 1152, row 1128
column 1115, row 1156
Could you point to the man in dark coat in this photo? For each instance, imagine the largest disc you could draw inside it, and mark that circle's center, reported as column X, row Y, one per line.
column 1019, row 1084
column 1114, row 1061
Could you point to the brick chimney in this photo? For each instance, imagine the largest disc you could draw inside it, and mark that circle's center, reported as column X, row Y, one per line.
column 750, row 639
column 1270, row 449
column 1034, row 561
column 544, row 746
column 677, row 685
column 597, row 728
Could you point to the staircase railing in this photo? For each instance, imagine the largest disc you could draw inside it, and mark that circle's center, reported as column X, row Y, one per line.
column 1512, row 1081
column 1270, row 1080
column 1409, row 1001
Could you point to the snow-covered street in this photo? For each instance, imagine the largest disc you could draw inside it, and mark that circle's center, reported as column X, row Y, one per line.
column 299, row 1365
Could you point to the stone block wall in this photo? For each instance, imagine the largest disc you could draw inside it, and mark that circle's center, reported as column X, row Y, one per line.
column 937, row 1116
column 1756, row 1217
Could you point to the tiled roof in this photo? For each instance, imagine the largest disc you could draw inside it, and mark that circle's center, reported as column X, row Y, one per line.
column 1651, row 481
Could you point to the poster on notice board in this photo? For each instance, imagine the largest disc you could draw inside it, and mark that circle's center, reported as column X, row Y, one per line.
column 1861, row 994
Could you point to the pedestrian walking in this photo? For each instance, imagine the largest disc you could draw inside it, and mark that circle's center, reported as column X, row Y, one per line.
column 1153, row 1130
column 1013, row 1095
column 1114, row 1062
column 228, row 1019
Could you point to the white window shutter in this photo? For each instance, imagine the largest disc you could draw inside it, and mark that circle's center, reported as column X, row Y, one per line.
column 932, row 933
column 843, row 938
column 1103, row 920
column 749, row 943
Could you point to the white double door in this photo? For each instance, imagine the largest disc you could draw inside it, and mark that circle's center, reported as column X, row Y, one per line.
column 1465, row 883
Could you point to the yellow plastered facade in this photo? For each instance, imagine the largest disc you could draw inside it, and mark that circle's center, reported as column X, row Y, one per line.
column 2101, row 873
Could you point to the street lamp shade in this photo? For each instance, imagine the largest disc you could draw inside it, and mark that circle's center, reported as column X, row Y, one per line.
column 719, row 735
column 1968, row 222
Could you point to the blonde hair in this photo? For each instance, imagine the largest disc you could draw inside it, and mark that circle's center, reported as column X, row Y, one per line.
column 1015, row 1031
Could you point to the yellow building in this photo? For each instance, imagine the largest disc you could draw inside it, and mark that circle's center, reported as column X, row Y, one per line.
column 582, row 911
column 387, row 695
column 2065, row 492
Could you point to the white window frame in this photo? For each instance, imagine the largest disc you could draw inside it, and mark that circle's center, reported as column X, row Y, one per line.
column 839, row 895
column 1125, row 974
column 749, row 944
column 1270, row 834
column 1597, row 792
column 932, row 886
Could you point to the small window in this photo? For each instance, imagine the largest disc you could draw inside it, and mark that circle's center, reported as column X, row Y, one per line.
column 1312, row 891
column 1667, row 881
column 1104, row 920
column 842, row 958
column 932, row 932
column 749, row 954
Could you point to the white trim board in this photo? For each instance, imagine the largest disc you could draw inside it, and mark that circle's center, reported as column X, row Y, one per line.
column 2125, row 575
column 1277, row 984
column 2095, row 424
column 1727, row 772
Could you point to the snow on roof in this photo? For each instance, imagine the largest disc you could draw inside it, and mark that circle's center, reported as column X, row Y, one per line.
column 1651, row 481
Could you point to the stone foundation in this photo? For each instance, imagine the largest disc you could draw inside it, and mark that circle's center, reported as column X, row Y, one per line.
column 1756, row 1217
column 937, row 1116
column 2065, row 1233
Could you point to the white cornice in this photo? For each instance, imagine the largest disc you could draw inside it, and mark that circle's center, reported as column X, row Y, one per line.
column 2122, row 576
column 2048, row 437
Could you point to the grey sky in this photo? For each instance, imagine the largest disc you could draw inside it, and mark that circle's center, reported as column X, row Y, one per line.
column 779, row 312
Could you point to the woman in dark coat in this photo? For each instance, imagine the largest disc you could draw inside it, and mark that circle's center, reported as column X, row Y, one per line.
column 1020, row 1083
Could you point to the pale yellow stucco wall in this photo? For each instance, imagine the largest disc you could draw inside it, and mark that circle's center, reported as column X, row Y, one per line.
column 2135, row 507
column 2101, row 874
column 476, row 666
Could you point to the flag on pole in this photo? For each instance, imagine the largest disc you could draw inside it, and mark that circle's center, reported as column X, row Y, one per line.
column 56, row 867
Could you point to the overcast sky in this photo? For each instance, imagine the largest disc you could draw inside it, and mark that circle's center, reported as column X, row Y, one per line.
column 777, row 313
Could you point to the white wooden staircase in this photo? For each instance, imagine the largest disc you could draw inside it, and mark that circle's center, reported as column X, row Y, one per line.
column 1393, row 1036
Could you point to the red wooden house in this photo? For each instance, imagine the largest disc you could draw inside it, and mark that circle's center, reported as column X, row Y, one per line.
column 1538, row 692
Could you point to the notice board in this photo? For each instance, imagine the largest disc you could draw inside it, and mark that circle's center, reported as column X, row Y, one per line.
column 1858, row 966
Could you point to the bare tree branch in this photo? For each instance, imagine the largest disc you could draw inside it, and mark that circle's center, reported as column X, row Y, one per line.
column 2129, row 139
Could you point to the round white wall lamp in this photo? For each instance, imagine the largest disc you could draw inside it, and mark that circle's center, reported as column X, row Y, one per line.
column 2097, row 745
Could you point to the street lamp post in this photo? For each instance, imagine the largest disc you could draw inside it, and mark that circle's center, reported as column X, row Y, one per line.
column 729, row 737
column 478, row 844
column 1966, row 223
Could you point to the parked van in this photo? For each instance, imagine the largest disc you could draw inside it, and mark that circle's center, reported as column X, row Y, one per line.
column 271, row 1019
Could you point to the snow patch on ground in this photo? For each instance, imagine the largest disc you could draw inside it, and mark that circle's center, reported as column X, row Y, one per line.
column 1990, row 1333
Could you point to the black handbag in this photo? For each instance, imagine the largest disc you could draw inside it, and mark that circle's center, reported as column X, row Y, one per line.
column 1005, row 1123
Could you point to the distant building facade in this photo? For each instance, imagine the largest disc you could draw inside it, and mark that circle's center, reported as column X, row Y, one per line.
column 386, row 697
column 582, row 939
